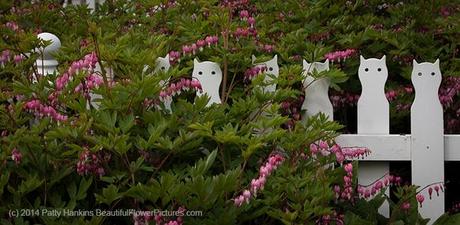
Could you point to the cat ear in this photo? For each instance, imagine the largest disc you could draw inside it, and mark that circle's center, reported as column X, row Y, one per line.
column 383, row 58
column 167, row 57
column 305, row 64
column 326, row 63
column 195, row 62
column 414, row 62
column 253, row 57
column 436, row 63
column 361, row 58
column 275, row 58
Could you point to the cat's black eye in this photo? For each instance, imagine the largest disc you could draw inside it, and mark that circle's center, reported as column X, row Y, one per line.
column 163, row 68
column 213, row 72
column 201, row 73
column 379, row 69
column 420, row 73
column 432, row 74
column 271, row 68
column 367, row 69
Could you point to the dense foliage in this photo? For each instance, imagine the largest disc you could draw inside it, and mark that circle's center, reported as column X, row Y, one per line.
column 252, row 159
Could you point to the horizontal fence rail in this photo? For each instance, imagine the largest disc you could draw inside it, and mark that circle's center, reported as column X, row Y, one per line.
column 395, row 147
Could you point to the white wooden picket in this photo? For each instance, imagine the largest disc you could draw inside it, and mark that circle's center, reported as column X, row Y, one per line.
column 46, row 64
column 427, row 147
column 373, row 116
column 316, row 91
column 91, row 3
column 209, row 75
column 427, row 129
column 272, row 70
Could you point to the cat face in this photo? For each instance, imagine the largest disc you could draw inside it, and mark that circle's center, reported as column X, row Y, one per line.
column 426, row 75
column 208, row 74
column 318, row 66
column 272, row 65
column 373, row 70
column 162, row 64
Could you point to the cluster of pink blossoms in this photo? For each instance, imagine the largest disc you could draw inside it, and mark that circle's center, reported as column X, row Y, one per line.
column 14, row 27
column 92, row 81
column 341, row 153
column 250, row 30
column 250, row 73
column 16, row 156
column 347, row 192
column 355, row 152
column 192, row 49
column 335, row 218
column 199, row 45
column 436, row 187
column 449, row 89
column 340, row 55
column 371, row 190
column 41, row 110
column 179, row 87
column 258, row 184
column 90, row 163
column 86, row 65
column 342, row 99
column 6, row 57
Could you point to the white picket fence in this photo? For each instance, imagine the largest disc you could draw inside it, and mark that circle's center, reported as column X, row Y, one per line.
column 427, row 148
column 91, row 3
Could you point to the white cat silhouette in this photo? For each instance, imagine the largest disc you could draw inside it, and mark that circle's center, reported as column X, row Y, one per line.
column 272, row 69
column 316, row 91
column 209, row 75
column 427, row 129
column 373, row 106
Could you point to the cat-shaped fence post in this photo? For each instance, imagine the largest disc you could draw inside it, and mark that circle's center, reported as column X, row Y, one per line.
column 427, row 130
column 162, row 64
column 209, row 75
column 46, row 64
column 373, row 116
column 316, row 91
column 272, row 69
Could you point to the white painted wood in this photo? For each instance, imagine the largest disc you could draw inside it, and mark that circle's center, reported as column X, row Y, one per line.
column 390, row 147
column 209, row 75
column 373, row 106
column 395, row 147
column 162, row 64
column 427, row 128
column 452, row 147
column 46, row 64
column 316, row 91
column 91, row 4
column 373, row 116
column 272, row 69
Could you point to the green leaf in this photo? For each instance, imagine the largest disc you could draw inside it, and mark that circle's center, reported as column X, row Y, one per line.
column 109, row 195
column 126, row 123
column 202, row 166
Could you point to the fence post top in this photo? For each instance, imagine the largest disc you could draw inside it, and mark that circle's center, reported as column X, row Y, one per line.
column 210, row 64
column 319, row 66
column 361, row 58
column 426, row 75
column 53, row 47
column 162, row 64
column 415, row 63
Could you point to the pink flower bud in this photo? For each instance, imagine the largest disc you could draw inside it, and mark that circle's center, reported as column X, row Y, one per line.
column 420, row 199
column 348, row 168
